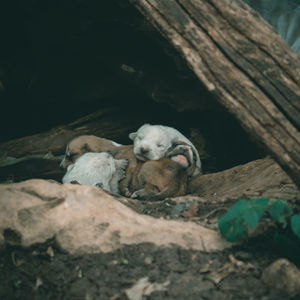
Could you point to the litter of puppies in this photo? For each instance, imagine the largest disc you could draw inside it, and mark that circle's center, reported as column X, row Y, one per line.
column 158, row 164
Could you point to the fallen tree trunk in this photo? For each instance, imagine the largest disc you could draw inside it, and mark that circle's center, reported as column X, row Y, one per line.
column 110, row 123
column 243, row 62
column 262, row 178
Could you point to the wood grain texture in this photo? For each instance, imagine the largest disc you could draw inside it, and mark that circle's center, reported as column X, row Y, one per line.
column 243, row 62
column 112, row 123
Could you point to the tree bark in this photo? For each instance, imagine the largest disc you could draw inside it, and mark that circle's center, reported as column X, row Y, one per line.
column 26, row 158
column 110, row 123
column 243, row 62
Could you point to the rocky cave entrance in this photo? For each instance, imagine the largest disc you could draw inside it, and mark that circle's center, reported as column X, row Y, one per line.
column 64, row 60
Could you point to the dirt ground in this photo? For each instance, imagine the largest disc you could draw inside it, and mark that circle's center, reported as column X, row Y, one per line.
column 45, row 272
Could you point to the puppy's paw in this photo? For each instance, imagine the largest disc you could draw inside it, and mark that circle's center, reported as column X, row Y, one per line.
column 182, row 154
column 181, row 159
column 124, row 163
column 121, row 164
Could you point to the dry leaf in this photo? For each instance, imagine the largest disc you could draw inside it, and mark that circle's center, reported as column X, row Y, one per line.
column 144, row 288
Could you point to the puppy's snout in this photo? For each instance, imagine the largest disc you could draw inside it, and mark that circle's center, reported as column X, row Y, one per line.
column 144, row 150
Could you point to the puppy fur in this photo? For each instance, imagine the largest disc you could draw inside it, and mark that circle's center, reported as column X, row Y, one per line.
column 85, row 143
column 153, row 180
column 90, row 143
column 166, row 177
column 151, row 142
column 99, row 169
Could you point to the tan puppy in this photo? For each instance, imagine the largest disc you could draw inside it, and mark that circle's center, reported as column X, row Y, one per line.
column 153, row 180
column 85, row 143
column 126, row 152
column 166, row 177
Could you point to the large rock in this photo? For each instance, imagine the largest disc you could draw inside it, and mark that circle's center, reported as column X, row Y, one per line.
column 84, row 219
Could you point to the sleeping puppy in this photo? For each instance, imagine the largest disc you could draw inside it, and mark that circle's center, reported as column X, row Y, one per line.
column 151, row 142
column 170, row 176
column 99, row 169
column 85, row 143
column 166, row 177
column 90, row 143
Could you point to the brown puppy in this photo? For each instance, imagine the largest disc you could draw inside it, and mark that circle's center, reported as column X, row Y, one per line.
column 85, row 143
column 126, row 152
column 166, row 177
column 153, row 180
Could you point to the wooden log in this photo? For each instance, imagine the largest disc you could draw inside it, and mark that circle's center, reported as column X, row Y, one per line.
column 113, row 123
column 262, row 178
column 32, row 168
column 26, row 157
column 243, row 62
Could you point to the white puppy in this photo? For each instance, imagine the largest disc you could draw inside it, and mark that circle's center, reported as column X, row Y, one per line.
column 151, row 142
column 99, row 169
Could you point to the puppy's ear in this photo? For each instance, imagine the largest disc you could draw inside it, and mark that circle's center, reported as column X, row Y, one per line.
column 86, row 148
column 132, row 135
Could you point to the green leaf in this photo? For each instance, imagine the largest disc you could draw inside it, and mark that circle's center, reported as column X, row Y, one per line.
column 235, row 210
column 260, row 205
column 251, row 217
column 280, row 212
column 295, row 225
column 242, row 215
column 230, row 225
column 234, row 231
